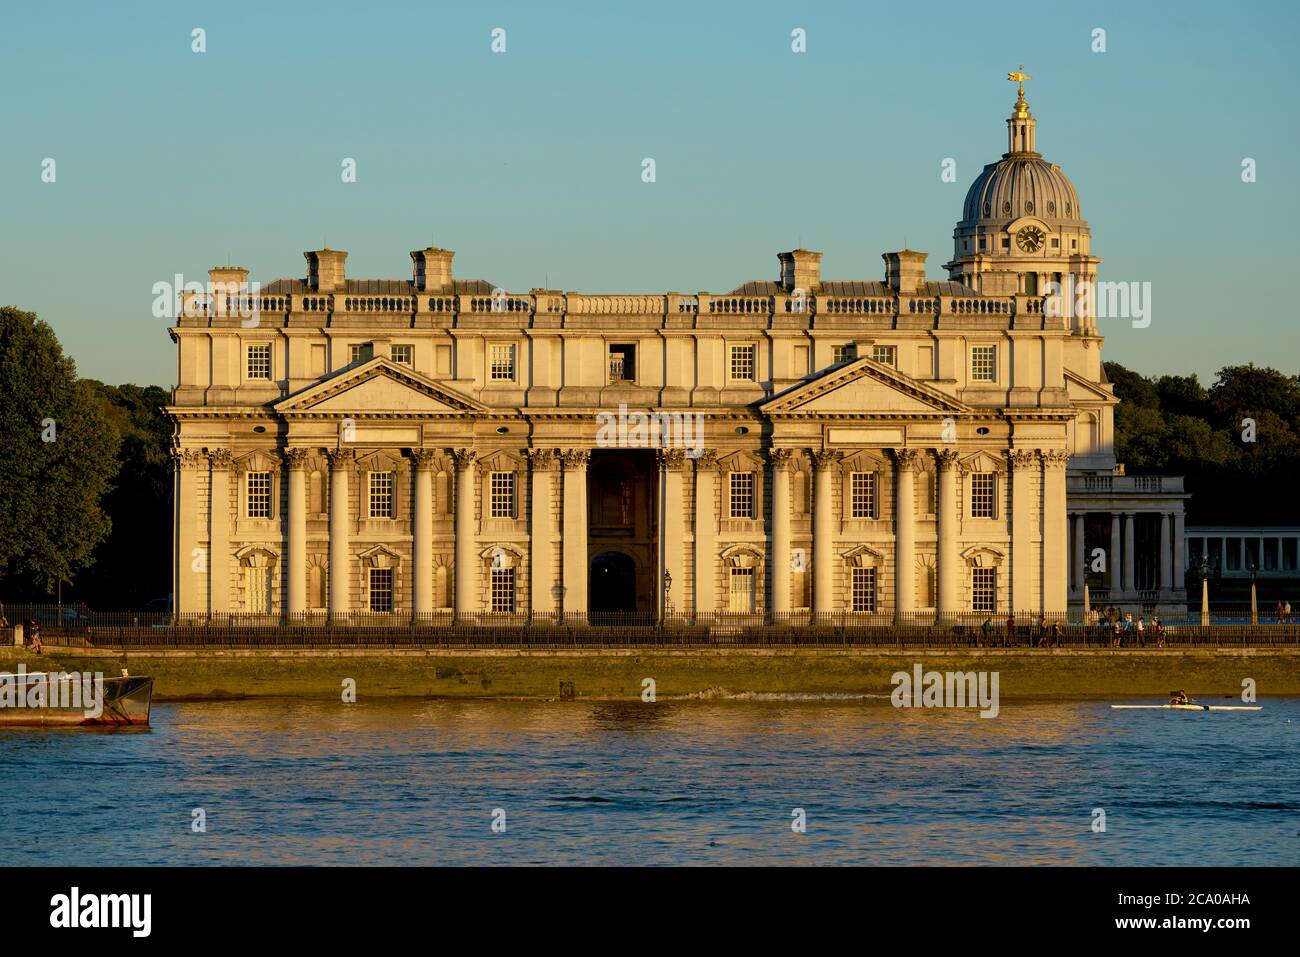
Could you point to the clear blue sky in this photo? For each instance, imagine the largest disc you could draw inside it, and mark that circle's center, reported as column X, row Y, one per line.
column 528, row 163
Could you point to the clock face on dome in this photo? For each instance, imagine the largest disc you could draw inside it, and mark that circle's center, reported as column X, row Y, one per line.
column 1030, row 239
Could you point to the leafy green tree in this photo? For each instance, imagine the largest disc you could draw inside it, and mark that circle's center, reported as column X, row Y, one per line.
column 133, row 565
column 58, row 454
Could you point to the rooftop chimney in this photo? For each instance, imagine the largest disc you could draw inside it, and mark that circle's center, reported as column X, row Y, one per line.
column 432, row 268
column 325, row 270
column 233, row 278
column 801, row 269
column 904, row 271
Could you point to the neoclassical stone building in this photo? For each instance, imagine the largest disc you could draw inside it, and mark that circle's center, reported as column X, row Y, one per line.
column 869, row 447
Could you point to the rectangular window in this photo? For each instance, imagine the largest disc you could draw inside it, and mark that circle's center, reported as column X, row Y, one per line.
column 983, row 363
column 864, row 589
column 404, row 354
column 502, row 495
column 886, row 355
column 360, row 352
column 863, row 494
column 842, row 354
column 982, row 486
column 259, row 361
column 742, row 362
column 503, row 590
column 503, row 362
column 381, row 494
column 259, row 494
column 381, row 589
column 742, row 494
column 622, row 363
column 984, row 590
column 741, row 596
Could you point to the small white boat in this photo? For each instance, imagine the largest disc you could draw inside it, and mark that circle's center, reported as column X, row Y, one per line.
column 1188, row 707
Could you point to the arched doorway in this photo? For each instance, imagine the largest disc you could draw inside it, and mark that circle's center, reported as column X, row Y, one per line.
column 612, row 587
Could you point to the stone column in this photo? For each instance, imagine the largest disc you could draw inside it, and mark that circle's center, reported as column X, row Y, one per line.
column 949, row 560
column 1113, row 559
column 782, row 547
column 1180, row 580
column 574, row 536
column 541, row 535
column 706, row 533
column 219, row 531
column 1166, row 556
column 424, row 462
column 905, row 461
column 341, row 462
column 824, row 461
column 1130, row 583
column 186, row 567
column 1080, row 561
column 297, row 551
column 468, row 599
column 1023, row 464
column 672, row 512
column 1056, row 568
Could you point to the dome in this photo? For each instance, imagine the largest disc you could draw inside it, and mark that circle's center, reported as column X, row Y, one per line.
column 1022, row 184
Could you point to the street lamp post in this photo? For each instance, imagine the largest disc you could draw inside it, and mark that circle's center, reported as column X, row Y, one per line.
column 1205, row 591
column 668, row 602
column 1254, row 605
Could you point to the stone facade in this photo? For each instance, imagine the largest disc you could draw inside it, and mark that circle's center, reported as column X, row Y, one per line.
column 897, row 447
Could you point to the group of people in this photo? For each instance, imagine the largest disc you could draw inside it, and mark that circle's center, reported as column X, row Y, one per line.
column 1283, row 612
column 1045, row 635
column 1124, row 630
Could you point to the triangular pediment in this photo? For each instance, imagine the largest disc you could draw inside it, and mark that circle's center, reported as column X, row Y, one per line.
column 864, row 387
column 1080, row 389
column 378, row 386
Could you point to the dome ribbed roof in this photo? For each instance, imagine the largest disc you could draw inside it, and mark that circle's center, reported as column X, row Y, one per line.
column 1022, row 184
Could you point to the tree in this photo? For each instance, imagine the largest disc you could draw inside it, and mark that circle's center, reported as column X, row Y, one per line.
column 58, row 454
column 133, row 566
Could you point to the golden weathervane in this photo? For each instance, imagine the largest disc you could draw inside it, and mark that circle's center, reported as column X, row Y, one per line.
column 1019, row 76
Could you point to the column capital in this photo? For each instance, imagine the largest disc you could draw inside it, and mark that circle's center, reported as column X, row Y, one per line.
column 220, row 458
column 781, row 458
column 464, row 458
column 1054, row 458
column 825, row 458
column 946, row 459
column 707, row 460
column 1022, row 458
column 424, row 459
column 296, row 458
column 188, row 458
column 341, row 458
column 575, row 459
column 540, row 460
column 906, row 459
column 672, row 459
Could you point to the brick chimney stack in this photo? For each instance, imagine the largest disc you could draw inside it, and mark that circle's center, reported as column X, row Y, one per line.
column 801, row 269
column 432, row 268
column 904, row 271
column 325, row 270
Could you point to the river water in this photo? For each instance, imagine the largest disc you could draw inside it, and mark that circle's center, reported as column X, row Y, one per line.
column 625, row 783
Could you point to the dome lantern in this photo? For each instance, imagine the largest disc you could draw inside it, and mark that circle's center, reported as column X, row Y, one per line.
column 1021, row 123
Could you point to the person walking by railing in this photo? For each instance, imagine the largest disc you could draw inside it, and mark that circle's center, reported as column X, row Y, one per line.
column 1158, row 629
column 1141, row 630
column 987, row 630
column 1011, row 630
